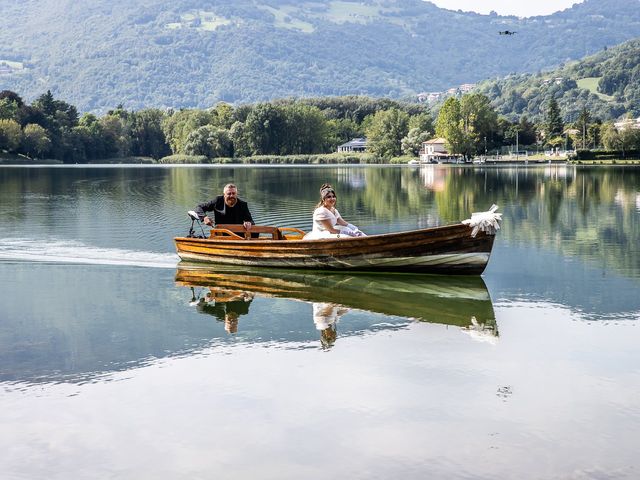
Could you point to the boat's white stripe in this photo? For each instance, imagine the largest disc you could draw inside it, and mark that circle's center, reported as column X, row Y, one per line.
column 450, row 259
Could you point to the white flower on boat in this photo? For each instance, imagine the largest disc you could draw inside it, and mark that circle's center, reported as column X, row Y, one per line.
column 487, row 222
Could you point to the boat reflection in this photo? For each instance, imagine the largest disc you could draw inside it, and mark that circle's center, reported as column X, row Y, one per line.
column 225, row 305
column 455, row 300
column 275, row 308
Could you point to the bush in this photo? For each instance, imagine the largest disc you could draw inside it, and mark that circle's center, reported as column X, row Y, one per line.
column 403, row 160
column 316, row 159
column 127, row 160
column 185, row 159
column 607, row 154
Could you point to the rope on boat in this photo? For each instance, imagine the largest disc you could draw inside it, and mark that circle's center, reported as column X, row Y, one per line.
column 487, row 222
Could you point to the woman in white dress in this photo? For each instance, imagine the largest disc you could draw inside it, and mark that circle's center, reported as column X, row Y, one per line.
column 327, row 221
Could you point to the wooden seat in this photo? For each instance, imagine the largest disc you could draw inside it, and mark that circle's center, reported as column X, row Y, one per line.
column 236, row 232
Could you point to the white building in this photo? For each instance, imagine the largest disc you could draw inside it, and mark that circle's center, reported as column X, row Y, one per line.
column 435, row 151
column 354, row 145
column 627, row 123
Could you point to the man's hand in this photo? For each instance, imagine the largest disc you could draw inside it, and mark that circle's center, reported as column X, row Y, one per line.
column 207, row 221
column 247, row 225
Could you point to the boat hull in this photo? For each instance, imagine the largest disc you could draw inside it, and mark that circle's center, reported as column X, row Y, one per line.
column 443, row 250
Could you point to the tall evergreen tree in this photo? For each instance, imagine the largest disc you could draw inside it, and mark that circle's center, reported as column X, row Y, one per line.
column 582, row 125
column 553, row 124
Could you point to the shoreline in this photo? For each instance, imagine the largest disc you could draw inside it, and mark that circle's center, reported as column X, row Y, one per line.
column 5, row 162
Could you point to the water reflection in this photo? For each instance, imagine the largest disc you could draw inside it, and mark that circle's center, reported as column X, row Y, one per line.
column 325, row 318
column 92, row 320
column 226, row 305
column 459, row 301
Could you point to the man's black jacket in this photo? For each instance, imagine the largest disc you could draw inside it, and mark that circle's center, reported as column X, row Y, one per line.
column 223, row 213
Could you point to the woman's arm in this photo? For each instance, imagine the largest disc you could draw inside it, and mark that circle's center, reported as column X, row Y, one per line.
column 329, row 226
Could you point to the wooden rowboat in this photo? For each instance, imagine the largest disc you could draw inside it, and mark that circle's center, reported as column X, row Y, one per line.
column 447, row 250
column 463, row 248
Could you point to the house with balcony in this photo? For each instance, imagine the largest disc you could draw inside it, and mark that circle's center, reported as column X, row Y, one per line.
column 435, row 151
column 358, row 145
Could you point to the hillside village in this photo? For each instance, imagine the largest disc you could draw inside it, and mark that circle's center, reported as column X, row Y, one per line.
column 435, row 97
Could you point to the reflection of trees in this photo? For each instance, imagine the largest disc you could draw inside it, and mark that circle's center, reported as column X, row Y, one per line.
column 590, row 213
column 587, row 212
column 382, row 193
column 584, row 211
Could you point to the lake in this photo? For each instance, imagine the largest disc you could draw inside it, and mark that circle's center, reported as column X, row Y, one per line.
column 116, row 364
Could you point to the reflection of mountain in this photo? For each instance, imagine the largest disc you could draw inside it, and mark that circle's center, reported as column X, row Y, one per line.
column 437, row 299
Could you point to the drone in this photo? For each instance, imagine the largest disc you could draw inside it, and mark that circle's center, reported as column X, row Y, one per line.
column 507, row 32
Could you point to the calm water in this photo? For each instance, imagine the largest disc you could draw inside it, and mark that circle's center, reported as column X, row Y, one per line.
column 115, row 363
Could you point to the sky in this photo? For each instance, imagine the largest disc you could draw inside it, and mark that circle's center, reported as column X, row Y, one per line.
column 508, row 7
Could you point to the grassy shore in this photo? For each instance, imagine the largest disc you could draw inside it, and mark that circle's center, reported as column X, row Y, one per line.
column 604, row 162
column 320, row 159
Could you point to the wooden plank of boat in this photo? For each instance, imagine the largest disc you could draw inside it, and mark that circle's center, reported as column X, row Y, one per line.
column 450, row 249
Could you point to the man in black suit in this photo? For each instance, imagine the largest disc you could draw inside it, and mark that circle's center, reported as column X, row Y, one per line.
column 227, row 209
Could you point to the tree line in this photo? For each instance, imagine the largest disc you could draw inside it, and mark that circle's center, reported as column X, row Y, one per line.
column 52, row 128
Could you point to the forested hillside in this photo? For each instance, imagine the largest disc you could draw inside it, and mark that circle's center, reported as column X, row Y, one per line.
column 607, row 84
column 194, row 53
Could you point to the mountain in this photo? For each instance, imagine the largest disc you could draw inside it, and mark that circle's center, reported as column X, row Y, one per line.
column 193, row 53
column 607, row 84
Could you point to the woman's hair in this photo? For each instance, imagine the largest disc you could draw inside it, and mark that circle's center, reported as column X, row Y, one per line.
column 324, row 190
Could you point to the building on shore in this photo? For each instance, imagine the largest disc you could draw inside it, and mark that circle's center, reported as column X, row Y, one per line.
column 627, row 123
column 354, row 145
column 435, row 151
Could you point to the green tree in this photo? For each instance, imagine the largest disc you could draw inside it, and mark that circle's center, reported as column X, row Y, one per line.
column 116, row 135
column 386, row 131
column 342, row 130
column 209, row 141
column 512, row 134
column 479, row 120
column 610, row 137
column 594, row 134
column 8, row 109
column 582, row 125
column 623, row 140
column 45, row 103
column 241, row 147
column 412, row 143
column 449, row 125
column 10, row 135
column 307, row 130
column 147, row 137
column 553, row 124
column 11, row 97
column 90, row 134
column 527, row 131
column 266, row 129
column 35, row 141
column 179, row 125
column 222, row 115
column 422, row 121
column 58, row 118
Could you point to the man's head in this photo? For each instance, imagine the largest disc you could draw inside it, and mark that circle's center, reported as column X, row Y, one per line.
column 230, row 193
